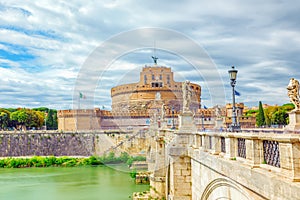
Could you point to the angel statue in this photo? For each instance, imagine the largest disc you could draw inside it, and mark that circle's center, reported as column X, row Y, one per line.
column 218, row 112
column 187, row 95
column 293, row 92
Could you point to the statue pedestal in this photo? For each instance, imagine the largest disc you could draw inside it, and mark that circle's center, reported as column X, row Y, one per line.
column 163, row 124
column 186, row 123
column 218, row 124
column 294, row 124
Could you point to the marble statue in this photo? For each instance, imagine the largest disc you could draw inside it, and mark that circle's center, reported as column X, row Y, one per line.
column 293, row 92
column 218, row 112
column 187, row 95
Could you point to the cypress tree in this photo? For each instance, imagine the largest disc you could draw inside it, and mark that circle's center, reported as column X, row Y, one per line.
column 49, row 120
column 260, row 117
column 55, row 123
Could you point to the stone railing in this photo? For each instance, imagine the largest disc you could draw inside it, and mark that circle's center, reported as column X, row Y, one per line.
column 272, row 151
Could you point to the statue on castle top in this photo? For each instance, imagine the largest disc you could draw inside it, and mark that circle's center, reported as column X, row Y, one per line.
column 187, row 96
column 293, row 92
column 155, row 59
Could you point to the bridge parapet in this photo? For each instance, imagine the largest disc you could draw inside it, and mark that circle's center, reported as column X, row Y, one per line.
column 279, row 153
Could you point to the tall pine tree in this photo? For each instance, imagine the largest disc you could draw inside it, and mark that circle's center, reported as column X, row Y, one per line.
column 260, row 117
column 49, row 120
column 55, row 125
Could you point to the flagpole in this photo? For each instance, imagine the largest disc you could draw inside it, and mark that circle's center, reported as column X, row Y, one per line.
column 78, row 107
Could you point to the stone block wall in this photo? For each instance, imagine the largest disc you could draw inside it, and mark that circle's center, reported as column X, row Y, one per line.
column 47, row 144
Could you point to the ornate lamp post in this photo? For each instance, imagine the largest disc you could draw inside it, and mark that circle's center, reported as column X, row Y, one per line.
column 232, row 75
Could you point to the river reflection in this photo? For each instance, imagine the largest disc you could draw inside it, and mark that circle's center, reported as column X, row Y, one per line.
column 78, row 183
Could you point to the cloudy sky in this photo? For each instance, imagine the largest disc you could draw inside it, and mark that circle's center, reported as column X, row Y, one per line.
column 50, row 49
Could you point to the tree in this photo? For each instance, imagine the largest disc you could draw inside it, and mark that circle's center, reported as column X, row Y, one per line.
column 288, row 106
column 37, row 118
column 279, row 117
column 269, row 118
column 49, row 119
column 55, row 123
column 260, row 117
column 26, row 118
column 21, row 118
column 251, row 113
column 4, row 119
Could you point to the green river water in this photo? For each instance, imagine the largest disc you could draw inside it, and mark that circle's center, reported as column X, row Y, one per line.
column 57, row 183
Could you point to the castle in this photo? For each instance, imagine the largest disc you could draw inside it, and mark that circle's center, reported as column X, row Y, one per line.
column 134, row 105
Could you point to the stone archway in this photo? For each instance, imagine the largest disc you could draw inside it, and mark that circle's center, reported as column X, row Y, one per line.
column 223, row 188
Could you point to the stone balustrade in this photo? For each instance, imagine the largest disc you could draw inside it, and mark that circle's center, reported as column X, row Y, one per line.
column 279, row 153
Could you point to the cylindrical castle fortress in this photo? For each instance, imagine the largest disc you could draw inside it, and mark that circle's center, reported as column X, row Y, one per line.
column 156, row 87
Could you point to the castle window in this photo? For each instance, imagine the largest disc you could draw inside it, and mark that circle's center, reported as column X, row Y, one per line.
column 153, row 78
column 159, row 84
column 160, row 77
column 168, row 79
column 145, row 79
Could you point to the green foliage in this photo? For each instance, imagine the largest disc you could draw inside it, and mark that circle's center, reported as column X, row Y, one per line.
column 260, row 117
column 42, row 109
column 124, row 157
column 288, row 106
column 64, row 161
column 22, row 118
column 129, row 161
column 11, row 109
column 250, row 113
column 27, row 118
column 51, row 120
column 55, row 121
column 133, row 173
column 4, row 119
column 277, row 115
column 136, row 158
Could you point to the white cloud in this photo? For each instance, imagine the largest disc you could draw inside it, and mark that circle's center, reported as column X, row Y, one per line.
column 260, row 38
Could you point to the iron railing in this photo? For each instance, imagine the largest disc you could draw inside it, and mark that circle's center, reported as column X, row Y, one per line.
column 271, row 153
column 241, row 148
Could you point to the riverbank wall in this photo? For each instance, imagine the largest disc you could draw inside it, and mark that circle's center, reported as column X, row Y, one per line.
column 83, row 143
column 52, row 143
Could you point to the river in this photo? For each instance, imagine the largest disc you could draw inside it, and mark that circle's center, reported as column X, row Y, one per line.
column 58, row 183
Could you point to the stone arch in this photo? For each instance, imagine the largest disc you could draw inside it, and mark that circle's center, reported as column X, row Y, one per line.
column 225, row 182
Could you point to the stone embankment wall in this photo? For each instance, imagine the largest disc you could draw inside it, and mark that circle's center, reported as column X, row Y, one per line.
column 53, row 143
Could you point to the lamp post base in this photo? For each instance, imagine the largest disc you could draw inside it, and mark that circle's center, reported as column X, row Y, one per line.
column 234, row 128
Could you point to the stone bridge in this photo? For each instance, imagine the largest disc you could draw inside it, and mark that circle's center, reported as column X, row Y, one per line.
column 251, row 164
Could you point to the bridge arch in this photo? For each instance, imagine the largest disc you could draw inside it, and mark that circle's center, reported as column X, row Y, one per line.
column 224, row 188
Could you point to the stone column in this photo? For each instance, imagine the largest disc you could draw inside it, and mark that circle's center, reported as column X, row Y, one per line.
column 151, row 157
column 180, row 184
column 158, row 177
column 216, row 144
column 197, row 141
column 230, row 146
column 254, row 151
